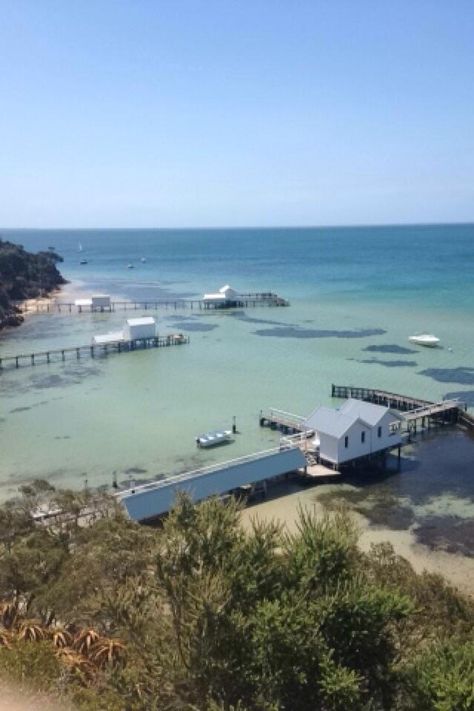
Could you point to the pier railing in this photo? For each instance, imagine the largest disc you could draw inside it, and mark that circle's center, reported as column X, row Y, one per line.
column 64, row 307
column 280, row 418
column 92, row 350
column 186, row 476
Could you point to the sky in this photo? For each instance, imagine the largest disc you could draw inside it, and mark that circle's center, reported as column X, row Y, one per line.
column 182, row 113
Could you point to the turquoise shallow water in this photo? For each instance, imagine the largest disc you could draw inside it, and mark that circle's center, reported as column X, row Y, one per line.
column 356, row 295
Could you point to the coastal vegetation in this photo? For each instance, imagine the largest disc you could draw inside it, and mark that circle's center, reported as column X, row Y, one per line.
column 24, row 275
column 199, row 614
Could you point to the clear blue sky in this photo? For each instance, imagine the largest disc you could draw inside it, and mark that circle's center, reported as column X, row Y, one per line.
column 236, row 112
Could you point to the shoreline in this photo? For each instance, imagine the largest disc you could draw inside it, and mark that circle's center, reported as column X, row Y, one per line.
column 457, row 569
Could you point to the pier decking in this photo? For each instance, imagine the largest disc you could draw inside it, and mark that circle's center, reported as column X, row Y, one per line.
column 414, row 410
column 287, row 422
column 61, row 307
column 91, row 351
column 148, row 501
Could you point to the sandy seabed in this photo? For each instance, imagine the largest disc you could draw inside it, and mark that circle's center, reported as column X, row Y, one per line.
column 456, row 568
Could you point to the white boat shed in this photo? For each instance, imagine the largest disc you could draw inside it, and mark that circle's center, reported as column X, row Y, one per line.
column 135, row 329
column 138, row 328
column 224, row 296
column 353, row 430
column 97, row 302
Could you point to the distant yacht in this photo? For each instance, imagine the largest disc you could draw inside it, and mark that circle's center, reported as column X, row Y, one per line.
column 79, row 247
column 143, row 259
column 425, row 339
column 130, row 266
column 83, row 261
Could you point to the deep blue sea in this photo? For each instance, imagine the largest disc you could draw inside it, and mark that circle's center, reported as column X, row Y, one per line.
column 356, row 295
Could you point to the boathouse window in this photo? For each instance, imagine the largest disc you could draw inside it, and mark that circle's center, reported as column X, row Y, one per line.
column 346, row 442
column 379, row 431
column 362, row 437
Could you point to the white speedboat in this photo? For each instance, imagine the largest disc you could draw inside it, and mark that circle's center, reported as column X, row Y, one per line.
column 425, row 339
column 214, row 438
column 130, row 266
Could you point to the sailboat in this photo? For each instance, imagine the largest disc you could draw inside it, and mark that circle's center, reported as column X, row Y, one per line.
column 79, row 249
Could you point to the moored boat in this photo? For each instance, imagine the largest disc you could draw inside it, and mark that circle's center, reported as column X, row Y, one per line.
column 425, row 339
column 213, row 438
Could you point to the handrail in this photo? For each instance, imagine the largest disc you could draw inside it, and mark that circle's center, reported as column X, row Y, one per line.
column 442, row 404
column 290, row 415
column 212, row 468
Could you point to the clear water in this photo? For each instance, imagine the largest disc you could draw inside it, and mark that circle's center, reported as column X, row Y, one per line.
column 356, row 295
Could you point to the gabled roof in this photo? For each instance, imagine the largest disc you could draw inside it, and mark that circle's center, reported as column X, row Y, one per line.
column 367, row 411
column 143, row 321
column 336, row 422
column 329, row 421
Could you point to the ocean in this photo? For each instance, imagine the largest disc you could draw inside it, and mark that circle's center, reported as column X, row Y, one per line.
column 356, row 295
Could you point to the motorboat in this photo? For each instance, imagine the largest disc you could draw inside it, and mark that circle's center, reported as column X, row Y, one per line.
column 425, row 339
column 213, row 438
column 83, row 261
column 130, row 266
column 143, row 260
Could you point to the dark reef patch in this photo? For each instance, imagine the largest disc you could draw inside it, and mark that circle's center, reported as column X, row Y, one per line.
column 243, row 316
column 193, row 326
column 448, row 533
column 300, row 332
column 462, row 375
column 381, row 508
column 389, row 363
column 63, row 437
column 389, row 348
column 19, row 409
column 135, row 470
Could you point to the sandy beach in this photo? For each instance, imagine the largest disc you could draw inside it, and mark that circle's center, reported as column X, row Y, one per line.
column 456, row 568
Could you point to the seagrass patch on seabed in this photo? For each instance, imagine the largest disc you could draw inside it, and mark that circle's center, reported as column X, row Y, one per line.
column 300, row 332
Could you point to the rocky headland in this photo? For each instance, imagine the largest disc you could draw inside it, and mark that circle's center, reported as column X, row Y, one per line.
column 24, row 275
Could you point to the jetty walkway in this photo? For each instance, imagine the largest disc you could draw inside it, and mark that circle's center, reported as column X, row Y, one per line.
column 414, row 410
column 91, row 351
column 148, row 501
column 62, row 307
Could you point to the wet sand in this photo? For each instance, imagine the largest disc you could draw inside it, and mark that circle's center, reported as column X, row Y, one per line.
column 456, row 568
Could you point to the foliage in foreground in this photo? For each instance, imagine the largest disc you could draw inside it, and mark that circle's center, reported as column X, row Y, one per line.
column 201, row 614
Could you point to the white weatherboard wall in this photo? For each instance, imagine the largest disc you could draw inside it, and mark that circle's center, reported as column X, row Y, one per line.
column 136, row 328
column 355, row 447
column 360, row 423
column 146, row 503
column 100, row 301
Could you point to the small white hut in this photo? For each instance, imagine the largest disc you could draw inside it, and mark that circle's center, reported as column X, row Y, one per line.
column 100, row 302
column 138, row 328
column 224, row 297
column 356, row 429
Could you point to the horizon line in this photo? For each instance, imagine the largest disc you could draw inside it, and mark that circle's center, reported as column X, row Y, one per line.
column 244, row 227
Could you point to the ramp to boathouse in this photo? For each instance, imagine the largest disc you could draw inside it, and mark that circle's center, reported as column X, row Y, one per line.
column 151, row 500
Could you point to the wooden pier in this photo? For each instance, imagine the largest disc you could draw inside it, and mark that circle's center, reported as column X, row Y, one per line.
column 286, row 422
column 91, row 351
column 415, row 411
column 61, row 307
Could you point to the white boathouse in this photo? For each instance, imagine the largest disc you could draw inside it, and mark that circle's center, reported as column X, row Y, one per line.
column 355, row 429
column 135, row 329
column 97, row 302
column 139, row 328
column 226, row 296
